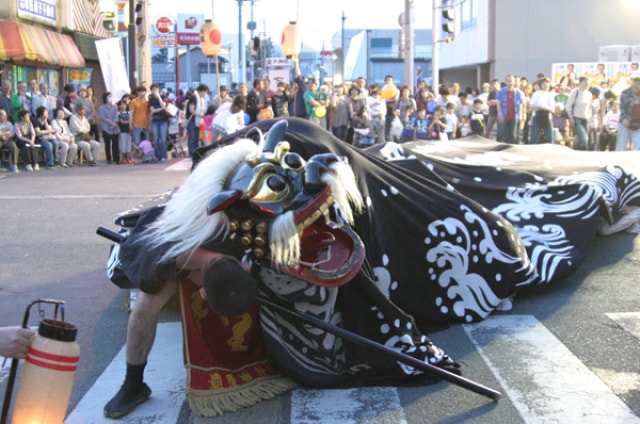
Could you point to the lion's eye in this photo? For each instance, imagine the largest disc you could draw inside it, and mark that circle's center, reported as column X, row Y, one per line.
column 276, row 183
column 293, row 161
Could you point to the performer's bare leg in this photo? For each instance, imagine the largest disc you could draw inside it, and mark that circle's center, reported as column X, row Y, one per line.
column 141, row 331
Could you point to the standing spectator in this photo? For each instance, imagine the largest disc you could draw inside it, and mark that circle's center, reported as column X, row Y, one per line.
column 579, row 112
column 268, row 92
column 108, row 113
column 422, row 124
column 139, row 109
column 68, row 146
column 124, row 138
column 377, row 110
column 46, row 137
column 542, row 106
column 559, row 120
column 409, row 124
column 5, row 99
column 7, row 143
column 311, row 102
column 463, row 108
column 26, row 140
column 492, row 120
column 31, row 94
column 256, row 100
column 390, row 94
column 229, row 119
column 595, row 126
column 446, row 97
column 221, row 97
column 195, row 114
column 95, row 125
column 423, row 98
column 80, row 127
column 340, row 105
column 83, row 95
column 484, row 97
column 298, row 108
column 629, row 125
column 452, row 121
column 43, row 98
column 280, row 100
column 159, row 122
column 437, row 125
column 527, row 90
column 476, row 117
column 610, row 128
column 20, row 101
column 404, row 104
column 323, row 98
column 510, row 101
column 66, row 100
column 359, row 116
column 361, row 83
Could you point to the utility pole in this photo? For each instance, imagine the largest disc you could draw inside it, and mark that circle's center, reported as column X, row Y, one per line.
column 435, row 65
column 132, row 46
column 241, row 72
column 409, row 44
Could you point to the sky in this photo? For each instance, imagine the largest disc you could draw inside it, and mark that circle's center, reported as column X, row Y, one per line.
column 319, row 20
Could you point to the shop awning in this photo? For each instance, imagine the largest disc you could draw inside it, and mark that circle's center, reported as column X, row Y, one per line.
column 20, row 41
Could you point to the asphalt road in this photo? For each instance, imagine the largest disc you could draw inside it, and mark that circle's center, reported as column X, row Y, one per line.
column 50, row 250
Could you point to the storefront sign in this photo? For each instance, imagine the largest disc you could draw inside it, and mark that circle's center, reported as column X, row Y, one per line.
column 278, row 61
column 80, row 76
column 43, row 11
column 164, row 41
column 188, row 28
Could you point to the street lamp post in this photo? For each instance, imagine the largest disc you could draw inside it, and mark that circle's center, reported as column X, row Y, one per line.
column 342, row 47
column 241, row 72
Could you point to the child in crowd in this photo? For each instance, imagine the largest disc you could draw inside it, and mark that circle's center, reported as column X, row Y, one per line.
column 124, row 140
column 452, row 121
column 610, row 128
column 438, row 124
column 465, row 127
column 476, row 118
column 149, row 153
column 422, row 124
column 408, row 125
column 207, row 120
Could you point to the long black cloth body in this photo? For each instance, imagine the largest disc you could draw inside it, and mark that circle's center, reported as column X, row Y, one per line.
column 450, row 230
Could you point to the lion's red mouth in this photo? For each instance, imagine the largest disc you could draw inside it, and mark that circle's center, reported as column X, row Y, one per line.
column 331, row 254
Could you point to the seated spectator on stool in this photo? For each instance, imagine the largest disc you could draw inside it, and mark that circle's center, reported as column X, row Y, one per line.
column 26, row 140
column 80, row 128
column 68, row 146
column 6, row 140
column 46, row 137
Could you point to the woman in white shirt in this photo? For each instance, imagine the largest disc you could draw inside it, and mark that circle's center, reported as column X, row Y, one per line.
column 542, row 105
column 228, row 119
column 80, row 128
column 68, row 147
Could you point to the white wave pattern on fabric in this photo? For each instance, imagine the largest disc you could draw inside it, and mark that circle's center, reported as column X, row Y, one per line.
column 472, row 290
column 534, row 202
column 551, row 248
column 604, row 183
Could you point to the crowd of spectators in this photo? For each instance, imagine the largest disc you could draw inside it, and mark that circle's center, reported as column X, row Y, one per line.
column 577, row 112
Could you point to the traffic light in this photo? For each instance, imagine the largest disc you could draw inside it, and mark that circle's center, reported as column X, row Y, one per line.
column 448, row 23
column 139, row 13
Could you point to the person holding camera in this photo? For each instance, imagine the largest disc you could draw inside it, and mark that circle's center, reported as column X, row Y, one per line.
column 629, row 124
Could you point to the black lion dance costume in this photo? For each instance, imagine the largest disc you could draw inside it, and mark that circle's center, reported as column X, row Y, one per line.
column 385, row 242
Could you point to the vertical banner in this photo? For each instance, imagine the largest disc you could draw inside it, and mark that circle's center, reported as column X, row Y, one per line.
column 112, row 64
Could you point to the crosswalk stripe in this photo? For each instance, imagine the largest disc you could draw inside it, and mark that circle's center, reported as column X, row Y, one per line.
column 378, row 405
column 182, row 165
column 165, row 374
column 542, row 378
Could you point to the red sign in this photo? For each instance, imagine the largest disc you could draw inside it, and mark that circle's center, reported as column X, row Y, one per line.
column 163, row 25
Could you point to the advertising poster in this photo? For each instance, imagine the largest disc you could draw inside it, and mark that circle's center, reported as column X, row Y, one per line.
column 618, row 74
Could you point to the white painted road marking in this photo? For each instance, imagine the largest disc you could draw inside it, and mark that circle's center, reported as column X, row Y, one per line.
column 543, row 380
column 165, row 374
column 182, row 165
column 539, row 375
column 347, row 406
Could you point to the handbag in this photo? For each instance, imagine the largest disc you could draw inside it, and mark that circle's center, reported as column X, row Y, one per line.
column 634, row 124
column 84, row 136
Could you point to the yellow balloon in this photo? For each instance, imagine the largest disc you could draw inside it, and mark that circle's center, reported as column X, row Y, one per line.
column 389, row 91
